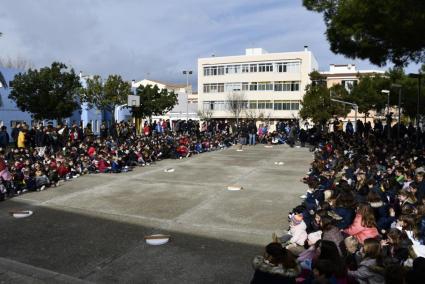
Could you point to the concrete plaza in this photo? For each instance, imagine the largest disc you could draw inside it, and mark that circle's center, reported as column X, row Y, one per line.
column 91, row 228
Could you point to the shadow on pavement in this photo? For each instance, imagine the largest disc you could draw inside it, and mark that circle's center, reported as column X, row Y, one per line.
column 109, row 251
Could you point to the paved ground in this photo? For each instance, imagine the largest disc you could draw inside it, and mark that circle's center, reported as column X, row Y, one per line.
column 92, row 228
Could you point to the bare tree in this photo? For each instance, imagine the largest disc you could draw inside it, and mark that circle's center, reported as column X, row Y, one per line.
column 18, row 62
column 236, row 103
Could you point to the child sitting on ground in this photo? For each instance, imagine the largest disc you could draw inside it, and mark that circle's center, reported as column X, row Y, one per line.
column 294, row 240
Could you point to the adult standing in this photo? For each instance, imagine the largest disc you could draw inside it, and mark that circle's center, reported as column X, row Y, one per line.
column 252, row 132
column 4, row 137
column 15, row 133
column 22, row 138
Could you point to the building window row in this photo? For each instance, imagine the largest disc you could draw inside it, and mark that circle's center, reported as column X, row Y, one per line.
column 279, row 67
column 253, row 105
column 278, row 86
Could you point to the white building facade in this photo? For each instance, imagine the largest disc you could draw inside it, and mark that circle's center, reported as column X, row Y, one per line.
column 271, row 85
column 186, row 107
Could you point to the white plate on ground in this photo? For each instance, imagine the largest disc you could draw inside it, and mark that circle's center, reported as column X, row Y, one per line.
column 268, row 146
column 169, row 170
column 234, row 187
column 157, row 239
column 239, row 150
column 21, row 213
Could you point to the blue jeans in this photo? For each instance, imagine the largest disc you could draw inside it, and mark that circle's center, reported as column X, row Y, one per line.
column 251, row 139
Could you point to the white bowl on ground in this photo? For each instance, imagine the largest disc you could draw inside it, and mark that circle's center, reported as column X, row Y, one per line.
column 157, row 239
column 21, row 213
column 234, row 187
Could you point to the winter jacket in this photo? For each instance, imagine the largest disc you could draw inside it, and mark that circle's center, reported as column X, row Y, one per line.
column 380, row 210
column 4, row 139
column 266, row 272
column 368, row 272
column 360, row 232
column 299, row 234
column 334, row 235
column 21, row 139
column 347, row 215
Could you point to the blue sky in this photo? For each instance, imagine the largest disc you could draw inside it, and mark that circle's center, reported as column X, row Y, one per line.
column 162, row 38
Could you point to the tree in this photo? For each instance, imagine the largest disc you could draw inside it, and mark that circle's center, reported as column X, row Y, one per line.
column 409, row 92
column 49, row 93
column 153, row 101
column 93, row 92
column 367, row 93
column 378, row 30
column 317, row 104
column 236, row 103
column 115, row 92
column 17, row 63
column 2, row 79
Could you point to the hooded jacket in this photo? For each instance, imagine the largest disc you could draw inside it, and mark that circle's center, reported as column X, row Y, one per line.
column 360, row 232
column 266, row 272
column 368, row 272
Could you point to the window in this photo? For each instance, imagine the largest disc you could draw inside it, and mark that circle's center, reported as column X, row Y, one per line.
column 220, row 87
column 295, row 105
column 245, row 86
column 206, row 71
column 253, row 104
column 265, row 105
column 213, row 70
column 286, row 86
column 290, row 67
column 232, row 87
column 245, row 68
column 253, row 86
column 281, row 67
column 253, row 68
column 295, row 86
column 265, row 86
column 265, row 67
column 208, row 105
column 349, row 84
column 286, row 105
column 214, row 88
column 220, row 70
column 233, row 69
column 219, row 105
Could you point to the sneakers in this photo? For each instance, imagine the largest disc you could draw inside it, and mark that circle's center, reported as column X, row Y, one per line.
column 43, row 187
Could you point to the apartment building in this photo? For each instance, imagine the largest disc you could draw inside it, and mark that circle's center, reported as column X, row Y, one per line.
column 270, row 85
column 348, row 76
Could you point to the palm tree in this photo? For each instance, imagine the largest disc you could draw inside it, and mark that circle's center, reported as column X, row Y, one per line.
column 2, row 79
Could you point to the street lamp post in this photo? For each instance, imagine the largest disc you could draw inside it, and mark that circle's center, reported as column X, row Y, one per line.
column 388, row 113
column 398, row 86
column 356, row 110
column 187, row 73
column 419, row 77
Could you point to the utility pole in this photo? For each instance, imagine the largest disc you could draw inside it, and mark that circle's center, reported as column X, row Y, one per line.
column 187, row 73
column 356, row 110
column 399, row 108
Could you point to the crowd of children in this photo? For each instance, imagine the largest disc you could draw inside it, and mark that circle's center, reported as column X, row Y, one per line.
column 43, row 157
column 362, row 219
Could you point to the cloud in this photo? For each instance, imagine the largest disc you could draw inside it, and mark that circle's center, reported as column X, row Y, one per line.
column 162, row 38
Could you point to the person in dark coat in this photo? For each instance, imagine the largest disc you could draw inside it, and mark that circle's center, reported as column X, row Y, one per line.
column 276, row 266
column 15, row 133
column 4, row 137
